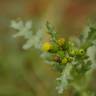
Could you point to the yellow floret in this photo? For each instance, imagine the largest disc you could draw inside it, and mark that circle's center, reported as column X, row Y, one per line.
column 46, row 46
column 61, row 41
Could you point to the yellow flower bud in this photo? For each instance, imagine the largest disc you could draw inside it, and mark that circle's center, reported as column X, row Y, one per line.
column 46, row 46
column 81, row 52
column 64, row 60
column 61, row 41
column 70, row 59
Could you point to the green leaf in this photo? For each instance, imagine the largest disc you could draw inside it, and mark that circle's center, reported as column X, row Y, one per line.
column 51, row 31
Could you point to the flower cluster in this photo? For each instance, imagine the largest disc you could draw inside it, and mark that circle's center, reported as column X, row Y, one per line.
column 66, row 57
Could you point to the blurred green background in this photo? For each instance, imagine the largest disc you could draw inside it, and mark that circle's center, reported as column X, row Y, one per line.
column 23, row 73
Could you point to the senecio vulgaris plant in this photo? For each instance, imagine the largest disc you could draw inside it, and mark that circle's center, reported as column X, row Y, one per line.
column 68, row 57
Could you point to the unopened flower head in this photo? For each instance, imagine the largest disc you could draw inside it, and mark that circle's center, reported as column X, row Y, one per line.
column 61, row 41
column 64, row 60
column 81, row 52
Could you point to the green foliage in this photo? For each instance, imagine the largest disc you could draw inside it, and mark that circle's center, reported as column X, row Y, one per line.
column 25, row 29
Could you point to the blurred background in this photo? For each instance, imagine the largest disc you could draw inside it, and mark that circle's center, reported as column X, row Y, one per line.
column 23, row 73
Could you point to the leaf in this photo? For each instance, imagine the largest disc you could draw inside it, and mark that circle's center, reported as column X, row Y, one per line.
column 51, row 31
column 92, row 34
